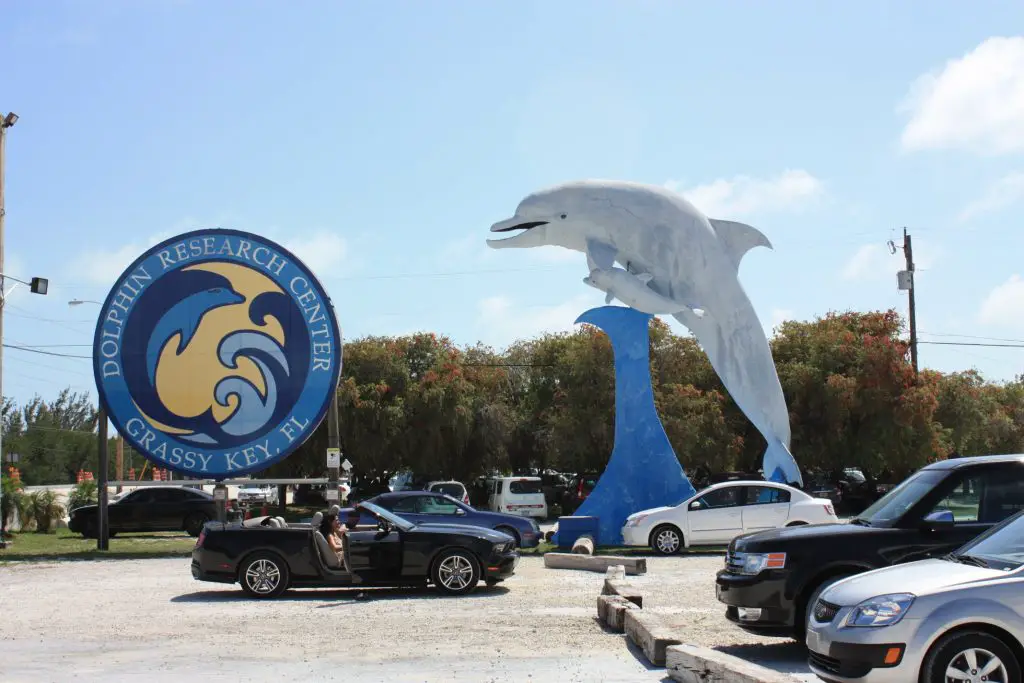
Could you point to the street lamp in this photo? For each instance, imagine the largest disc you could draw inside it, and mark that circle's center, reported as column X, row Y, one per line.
column 79, row 302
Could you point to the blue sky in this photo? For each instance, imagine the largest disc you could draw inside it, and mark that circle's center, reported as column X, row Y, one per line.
column 381, row 140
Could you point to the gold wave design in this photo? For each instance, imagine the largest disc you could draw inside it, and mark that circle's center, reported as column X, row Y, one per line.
column 185, row 383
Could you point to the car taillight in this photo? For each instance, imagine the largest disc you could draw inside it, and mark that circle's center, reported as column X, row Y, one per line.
column 829, row 509
column 579, row 490
column 202, row 537
column 465, row 499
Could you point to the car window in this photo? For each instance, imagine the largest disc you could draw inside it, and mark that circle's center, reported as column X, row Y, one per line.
column 986, row 497
column 497, row 487
column 721, row 498
column 453, row 490
column 405, row 504
column 524, row 486
column 435, row 505
column 142, row 496
column 766, row 495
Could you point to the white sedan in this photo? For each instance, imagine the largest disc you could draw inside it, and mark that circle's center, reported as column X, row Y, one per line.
column 719, row 513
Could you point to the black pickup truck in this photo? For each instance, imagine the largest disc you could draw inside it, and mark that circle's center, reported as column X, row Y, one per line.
column 771, row 578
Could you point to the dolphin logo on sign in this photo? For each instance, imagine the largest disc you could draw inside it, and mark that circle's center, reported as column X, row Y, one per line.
column 217, row 353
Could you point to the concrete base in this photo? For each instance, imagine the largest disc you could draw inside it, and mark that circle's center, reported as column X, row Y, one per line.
column 594, row 563
column 611, row 610
column 623, row 590
column 693, row 664
column 584, row 545
column 649, row 633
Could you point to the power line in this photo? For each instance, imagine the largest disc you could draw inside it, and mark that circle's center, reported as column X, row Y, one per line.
column 45, row 353
column 1005, row 346
column 972, row 336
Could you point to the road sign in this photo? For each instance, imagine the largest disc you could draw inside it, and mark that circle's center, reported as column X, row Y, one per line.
column 333, row 457
column 220, row 493
column 331, row 495
column 347, row 466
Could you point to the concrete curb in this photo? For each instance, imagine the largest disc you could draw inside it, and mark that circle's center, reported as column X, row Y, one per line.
column 620, row 607
column 694, row 664
column 594, row 563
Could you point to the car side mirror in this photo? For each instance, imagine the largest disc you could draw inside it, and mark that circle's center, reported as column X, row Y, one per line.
column 695, row 505
column 459, row 512
column 939, row 520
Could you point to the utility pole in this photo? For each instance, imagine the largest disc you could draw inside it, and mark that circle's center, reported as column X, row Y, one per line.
column 103, row 535
column 906, row 282
column 5, row 123
column 120, row 461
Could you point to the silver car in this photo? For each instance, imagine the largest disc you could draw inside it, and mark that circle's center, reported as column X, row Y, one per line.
column 959, row 618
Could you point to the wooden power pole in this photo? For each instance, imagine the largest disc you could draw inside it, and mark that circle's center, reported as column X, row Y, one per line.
column 906, row 282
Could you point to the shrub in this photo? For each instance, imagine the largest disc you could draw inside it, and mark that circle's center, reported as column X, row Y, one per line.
column 84, row 493
column 44, row 510
column 12, row 498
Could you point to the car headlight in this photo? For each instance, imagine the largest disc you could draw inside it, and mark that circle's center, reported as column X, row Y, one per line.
column 883, row 610
column 755, row 563
column 635, row 520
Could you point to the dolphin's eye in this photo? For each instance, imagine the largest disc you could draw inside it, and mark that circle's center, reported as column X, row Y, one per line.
column 563, row 216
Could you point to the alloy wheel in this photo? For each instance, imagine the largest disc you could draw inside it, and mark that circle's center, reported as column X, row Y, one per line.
column 263, row 577
column 977, row 665
column 667, row 541
column 455, row 572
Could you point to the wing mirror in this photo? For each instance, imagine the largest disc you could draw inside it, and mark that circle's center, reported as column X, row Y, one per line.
column 695, row 505
column 939, row 520
column 459, row 512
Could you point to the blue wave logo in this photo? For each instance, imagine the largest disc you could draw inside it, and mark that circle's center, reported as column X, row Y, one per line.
column 217, row 353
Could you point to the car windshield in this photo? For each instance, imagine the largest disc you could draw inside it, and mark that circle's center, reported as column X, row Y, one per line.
column 524, row 486
column 453, row 490
column 1001, row 547
column 891, row 506
column 389, row 517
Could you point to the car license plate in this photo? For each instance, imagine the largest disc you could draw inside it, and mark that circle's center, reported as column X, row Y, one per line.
column 815, row 641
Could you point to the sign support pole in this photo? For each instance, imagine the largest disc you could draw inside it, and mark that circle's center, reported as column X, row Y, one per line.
column 220, row 498
column 333, row 444
column 102, row 514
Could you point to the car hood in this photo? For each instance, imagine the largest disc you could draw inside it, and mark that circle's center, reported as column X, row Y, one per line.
column 780, row 538
column 511, row 520
column 651, row 511
column 464, row 530
column 919, row 578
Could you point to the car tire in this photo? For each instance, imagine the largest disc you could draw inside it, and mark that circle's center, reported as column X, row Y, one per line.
column 949, row 653
column 193, row 524
column 455, row 572
column 666, row 539
column 491, row 583
column 89, row 530
column 800, row 631
column 263, row 575
column 511, row 532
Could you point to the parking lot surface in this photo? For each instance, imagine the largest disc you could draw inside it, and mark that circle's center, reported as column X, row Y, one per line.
column 119, row 620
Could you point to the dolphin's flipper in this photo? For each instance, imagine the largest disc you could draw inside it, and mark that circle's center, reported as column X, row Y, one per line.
column 608, row 298
column 779, row 465
column 600, row 255
column 738, row 238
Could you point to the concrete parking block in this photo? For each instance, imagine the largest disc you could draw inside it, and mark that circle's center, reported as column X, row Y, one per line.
column 611, row 610
column 623, row 589
column 594, row 563
column 695, row 664
column 650, row 633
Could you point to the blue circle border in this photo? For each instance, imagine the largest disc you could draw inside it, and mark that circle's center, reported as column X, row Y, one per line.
column 314, row 281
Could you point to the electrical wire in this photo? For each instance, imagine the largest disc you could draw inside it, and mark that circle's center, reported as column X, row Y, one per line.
column 45, row 353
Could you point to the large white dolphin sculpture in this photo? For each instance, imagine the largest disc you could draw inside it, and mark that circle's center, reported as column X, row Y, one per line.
column 676, row 262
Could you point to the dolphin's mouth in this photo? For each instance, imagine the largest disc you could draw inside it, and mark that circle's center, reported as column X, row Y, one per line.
column 517, row 226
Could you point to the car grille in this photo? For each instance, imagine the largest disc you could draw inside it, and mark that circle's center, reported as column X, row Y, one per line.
column 824, row 662
column 825, row 612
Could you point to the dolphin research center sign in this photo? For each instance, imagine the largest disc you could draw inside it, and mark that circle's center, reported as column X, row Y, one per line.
column 217, row 353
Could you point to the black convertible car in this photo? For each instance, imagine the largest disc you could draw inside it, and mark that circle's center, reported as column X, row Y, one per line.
column 267, row 556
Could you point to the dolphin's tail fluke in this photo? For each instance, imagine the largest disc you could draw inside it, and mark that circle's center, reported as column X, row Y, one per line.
column 779, row 465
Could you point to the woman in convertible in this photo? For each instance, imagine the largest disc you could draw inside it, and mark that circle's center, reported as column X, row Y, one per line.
column 333, row 530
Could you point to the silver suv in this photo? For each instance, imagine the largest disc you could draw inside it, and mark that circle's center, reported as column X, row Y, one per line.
column 959, row 618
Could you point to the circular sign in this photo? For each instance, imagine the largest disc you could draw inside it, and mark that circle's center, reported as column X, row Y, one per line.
column 216, row 354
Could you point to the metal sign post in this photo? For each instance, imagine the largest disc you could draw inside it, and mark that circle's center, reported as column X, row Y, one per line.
column 220, row 498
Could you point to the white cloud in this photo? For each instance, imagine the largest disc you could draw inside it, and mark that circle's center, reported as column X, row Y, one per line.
column 102, row 267
column 1003, row 193
column 779, row 316
column 323, row 252
column 1004, row 305
column 501, row 321
column 974, row 103
column 743, row 195
column 870, row 262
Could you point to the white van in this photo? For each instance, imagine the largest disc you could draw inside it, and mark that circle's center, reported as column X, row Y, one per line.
column 518, row 496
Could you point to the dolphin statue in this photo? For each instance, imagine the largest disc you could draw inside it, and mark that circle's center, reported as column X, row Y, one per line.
column 676, row 262
column 183, row 318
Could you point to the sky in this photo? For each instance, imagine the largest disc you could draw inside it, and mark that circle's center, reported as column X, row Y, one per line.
column 379, row 141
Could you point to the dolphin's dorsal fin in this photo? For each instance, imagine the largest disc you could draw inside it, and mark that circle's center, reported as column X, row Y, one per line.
column 738, row 238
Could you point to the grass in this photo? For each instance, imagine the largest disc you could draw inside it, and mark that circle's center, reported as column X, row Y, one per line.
column 64, row 545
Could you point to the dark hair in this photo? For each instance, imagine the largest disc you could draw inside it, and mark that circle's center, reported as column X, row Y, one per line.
column 327, row 523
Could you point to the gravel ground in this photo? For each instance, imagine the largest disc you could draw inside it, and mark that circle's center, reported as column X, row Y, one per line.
column 118, row 620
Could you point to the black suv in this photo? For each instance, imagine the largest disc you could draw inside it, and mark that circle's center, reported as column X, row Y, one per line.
column 771, row 578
